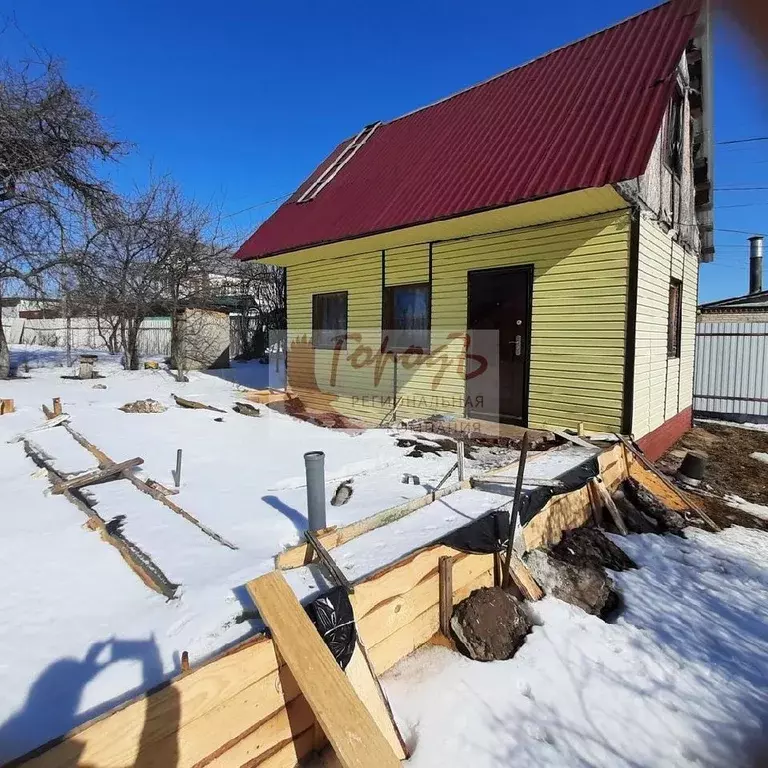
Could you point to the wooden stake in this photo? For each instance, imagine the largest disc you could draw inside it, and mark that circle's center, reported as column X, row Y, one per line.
column 505, row 577
column 57, row 406
column 185, row 661
column 522, row 578
column 596, row 504
column 601, row 492
column 6, row 406
column 336, row 573
column 445, row 573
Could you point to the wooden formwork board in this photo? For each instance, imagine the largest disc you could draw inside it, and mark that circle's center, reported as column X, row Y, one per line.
column 246, row 705
column 356, row 738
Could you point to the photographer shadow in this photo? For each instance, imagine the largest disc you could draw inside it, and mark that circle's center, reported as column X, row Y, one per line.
column 53, row 706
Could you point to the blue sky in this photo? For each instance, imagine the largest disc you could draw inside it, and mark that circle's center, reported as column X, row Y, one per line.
column 240, row 100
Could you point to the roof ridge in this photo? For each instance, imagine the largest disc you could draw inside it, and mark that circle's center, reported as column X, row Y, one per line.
column 530, row 61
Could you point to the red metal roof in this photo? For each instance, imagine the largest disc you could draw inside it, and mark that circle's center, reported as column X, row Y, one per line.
column 582, row 116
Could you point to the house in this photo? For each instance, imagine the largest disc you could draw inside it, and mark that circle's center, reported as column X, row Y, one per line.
column 525, row 251
column 731, row 379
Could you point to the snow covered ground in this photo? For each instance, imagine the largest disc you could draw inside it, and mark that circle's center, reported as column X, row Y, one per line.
column 64, row 592
column 679, row 679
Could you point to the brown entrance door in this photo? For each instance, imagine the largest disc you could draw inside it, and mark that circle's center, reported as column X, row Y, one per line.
column 499, row 325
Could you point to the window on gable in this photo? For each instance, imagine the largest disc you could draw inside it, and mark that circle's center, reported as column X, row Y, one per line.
column 674, row 321
column 674, row 140
column 406, row 321
column 329, row 320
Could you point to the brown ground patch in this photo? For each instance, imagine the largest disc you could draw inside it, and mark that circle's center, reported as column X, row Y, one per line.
column 730, row 469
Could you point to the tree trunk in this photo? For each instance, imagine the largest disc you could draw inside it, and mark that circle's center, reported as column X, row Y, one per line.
column 131, row 345
column 5, row 353
column 177, row 344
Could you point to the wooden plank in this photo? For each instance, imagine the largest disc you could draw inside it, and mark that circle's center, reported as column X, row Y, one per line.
column 97, row 476
column 560, row 513
column 575, row 439
column 602, row 493
column 275, row 741
column 353, row 733
column 194, row 404
column 366, row 686
column 395, row 610
column 105, row 461
column 330, row 538
column 523, row 579
column 646, row 473
column 112, row 741
column 410, row 637
column 336, row 573
column 445, row 571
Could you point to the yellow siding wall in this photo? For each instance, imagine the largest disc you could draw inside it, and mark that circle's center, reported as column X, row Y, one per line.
column 663, row 387
column 409, row 264
column 578, row 324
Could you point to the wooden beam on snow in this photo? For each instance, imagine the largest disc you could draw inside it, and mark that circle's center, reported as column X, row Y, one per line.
column 349, row 726
column 97, row 476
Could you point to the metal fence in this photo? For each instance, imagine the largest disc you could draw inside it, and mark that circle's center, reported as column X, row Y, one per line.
column 731, row 378
column 154, row 334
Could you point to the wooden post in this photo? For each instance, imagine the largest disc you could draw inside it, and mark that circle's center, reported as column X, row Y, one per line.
column 596, row 504
column 445, row 574
column 505, row 577
column 602, row 493
column 57, row 406
column 6, row 406
column 177, row 473
column 460, row 457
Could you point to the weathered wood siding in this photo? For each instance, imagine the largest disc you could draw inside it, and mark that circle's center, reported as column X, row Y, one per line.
column 663, row 386
column 577, row 335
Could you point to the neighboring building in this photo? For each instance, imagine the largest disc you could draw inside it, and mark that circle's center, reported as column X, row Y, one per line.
column 731, row 379
column 29, row 309
column 550, row 219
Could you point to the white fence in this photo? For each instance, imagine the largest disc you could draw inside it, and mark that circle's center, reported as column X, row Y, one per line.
column 154, row 334
column 731, row 379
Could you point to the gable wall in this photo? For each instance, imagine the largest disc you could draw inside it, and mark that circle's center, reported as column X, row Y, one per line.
column 662, row 386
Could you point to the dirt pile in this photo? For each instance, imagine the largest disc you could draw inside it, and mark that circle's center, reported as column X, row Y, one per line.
column 490, row 625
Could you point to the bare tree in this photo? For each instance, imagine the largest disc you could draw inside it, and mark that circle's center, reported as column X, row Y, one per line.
column 260, row 319
column 50, row 140
column 119, row 273
column 149, row 253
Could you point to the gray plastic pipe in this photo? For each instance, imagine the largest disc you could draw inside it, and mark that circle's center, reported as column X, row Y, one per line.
column 314, row 463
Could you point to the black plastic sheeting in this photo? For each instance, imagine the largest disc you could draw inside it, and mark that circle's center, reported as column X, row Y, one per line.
column 335, row 621
column 488, row 534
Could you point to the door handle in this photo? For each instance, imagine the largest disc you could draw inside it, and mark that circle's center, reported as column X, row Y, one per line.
column 518, row 345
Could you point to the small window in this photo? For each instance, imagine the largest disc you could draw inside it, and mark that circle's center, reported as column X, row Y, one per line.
column 675, row 133
column 674, row 321
column 406, row 318
column 329, row 320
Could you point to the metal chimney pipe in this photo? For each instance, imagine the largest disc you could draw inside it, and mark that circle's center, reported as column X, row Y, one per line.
column 756, row 264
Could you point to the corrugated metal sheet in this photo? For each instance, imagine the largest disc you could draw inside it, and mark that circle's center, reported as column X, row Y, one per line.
column 732, row 371
column 582, row 116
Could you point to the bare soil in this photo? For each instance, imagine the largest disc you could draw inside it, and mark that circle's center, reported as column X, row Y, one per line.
column 730, row 469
